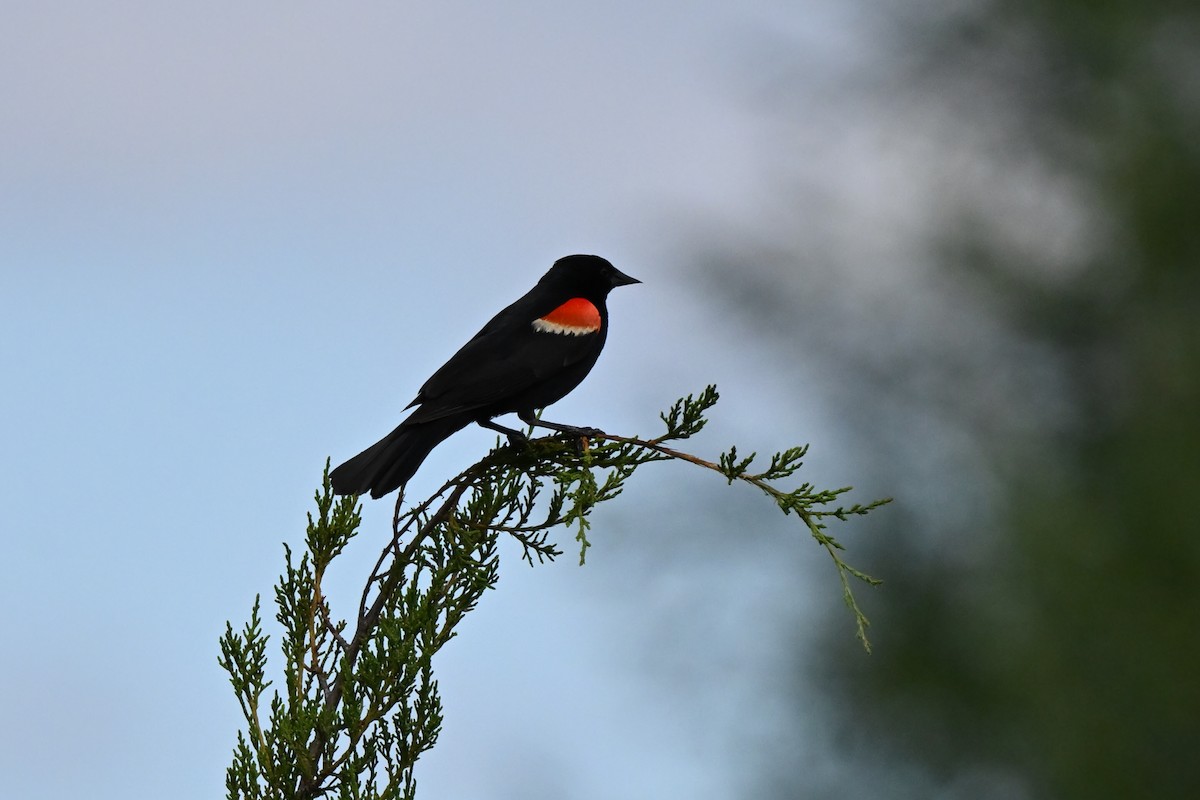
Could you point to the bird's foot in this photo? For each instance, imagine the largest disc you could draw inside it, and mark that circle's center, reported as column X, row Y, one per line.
column 516, row 438
column 582, row 437
column 568, row 430
column 582, row 433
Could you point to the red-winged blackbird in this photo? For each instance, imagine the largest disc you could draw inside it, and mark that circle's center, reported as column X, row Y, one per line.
column 530, row 355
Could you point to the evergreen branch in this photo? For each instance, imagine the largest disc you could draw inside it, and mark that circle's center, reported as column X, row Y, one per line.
column 802, row 501
column 359, row 703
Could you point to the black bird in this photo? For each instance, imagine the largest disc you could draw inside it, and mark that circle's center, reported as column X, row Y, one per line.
column 530, row 355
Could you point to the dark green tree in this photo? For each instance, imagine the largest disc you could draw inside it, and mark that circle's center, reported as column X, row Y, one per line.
column 1041, row 639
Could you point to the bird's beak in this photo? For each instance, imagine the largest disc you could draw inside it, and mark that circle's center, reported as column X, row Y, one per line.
column 621, row 279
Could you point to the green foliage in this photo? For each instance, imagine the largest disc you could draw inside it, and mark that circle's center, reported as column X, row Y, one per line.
column 359, row 704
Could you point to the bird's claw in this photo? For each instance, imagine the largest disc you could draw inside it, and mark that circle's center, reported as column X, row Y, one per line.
column 583, row 438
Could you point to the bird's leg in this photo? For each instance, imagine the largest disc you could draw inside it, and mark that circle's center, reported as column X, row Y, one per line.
column 571, row 430
column 515, row 438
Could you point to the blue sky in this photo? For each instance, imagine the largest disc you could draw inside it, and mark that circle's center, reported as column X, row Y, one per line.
column 235, row 238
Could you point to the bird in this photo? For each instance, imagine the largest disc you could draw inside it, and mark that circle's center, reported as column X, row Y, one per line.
column 527, row 357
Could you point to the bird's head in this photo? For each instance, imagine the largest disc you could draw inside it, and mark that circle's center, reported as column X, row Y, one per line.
column 587, row 276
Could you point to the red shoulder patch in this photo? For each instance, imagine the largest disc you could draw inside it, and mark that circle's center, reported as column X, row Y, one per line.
column 575, row 317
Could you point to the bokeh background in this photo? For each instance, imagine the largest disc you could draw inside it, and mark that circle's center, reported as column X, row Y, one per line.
column 954, row 246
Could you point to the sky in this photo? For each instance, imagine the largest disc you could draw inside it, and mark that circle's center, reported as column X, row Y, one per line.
column 234, row 240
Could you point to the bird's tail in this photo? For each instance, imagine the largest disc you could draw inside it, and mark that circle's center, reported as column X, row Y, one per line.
column 389, row 463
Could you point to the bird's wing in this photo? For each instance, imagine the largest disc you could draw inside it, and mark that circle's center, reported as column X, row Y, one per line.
column 502, row 360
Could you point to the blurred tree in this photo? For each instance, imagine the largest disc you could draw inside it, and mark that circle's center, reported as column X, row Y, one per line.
column 1037, row 634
